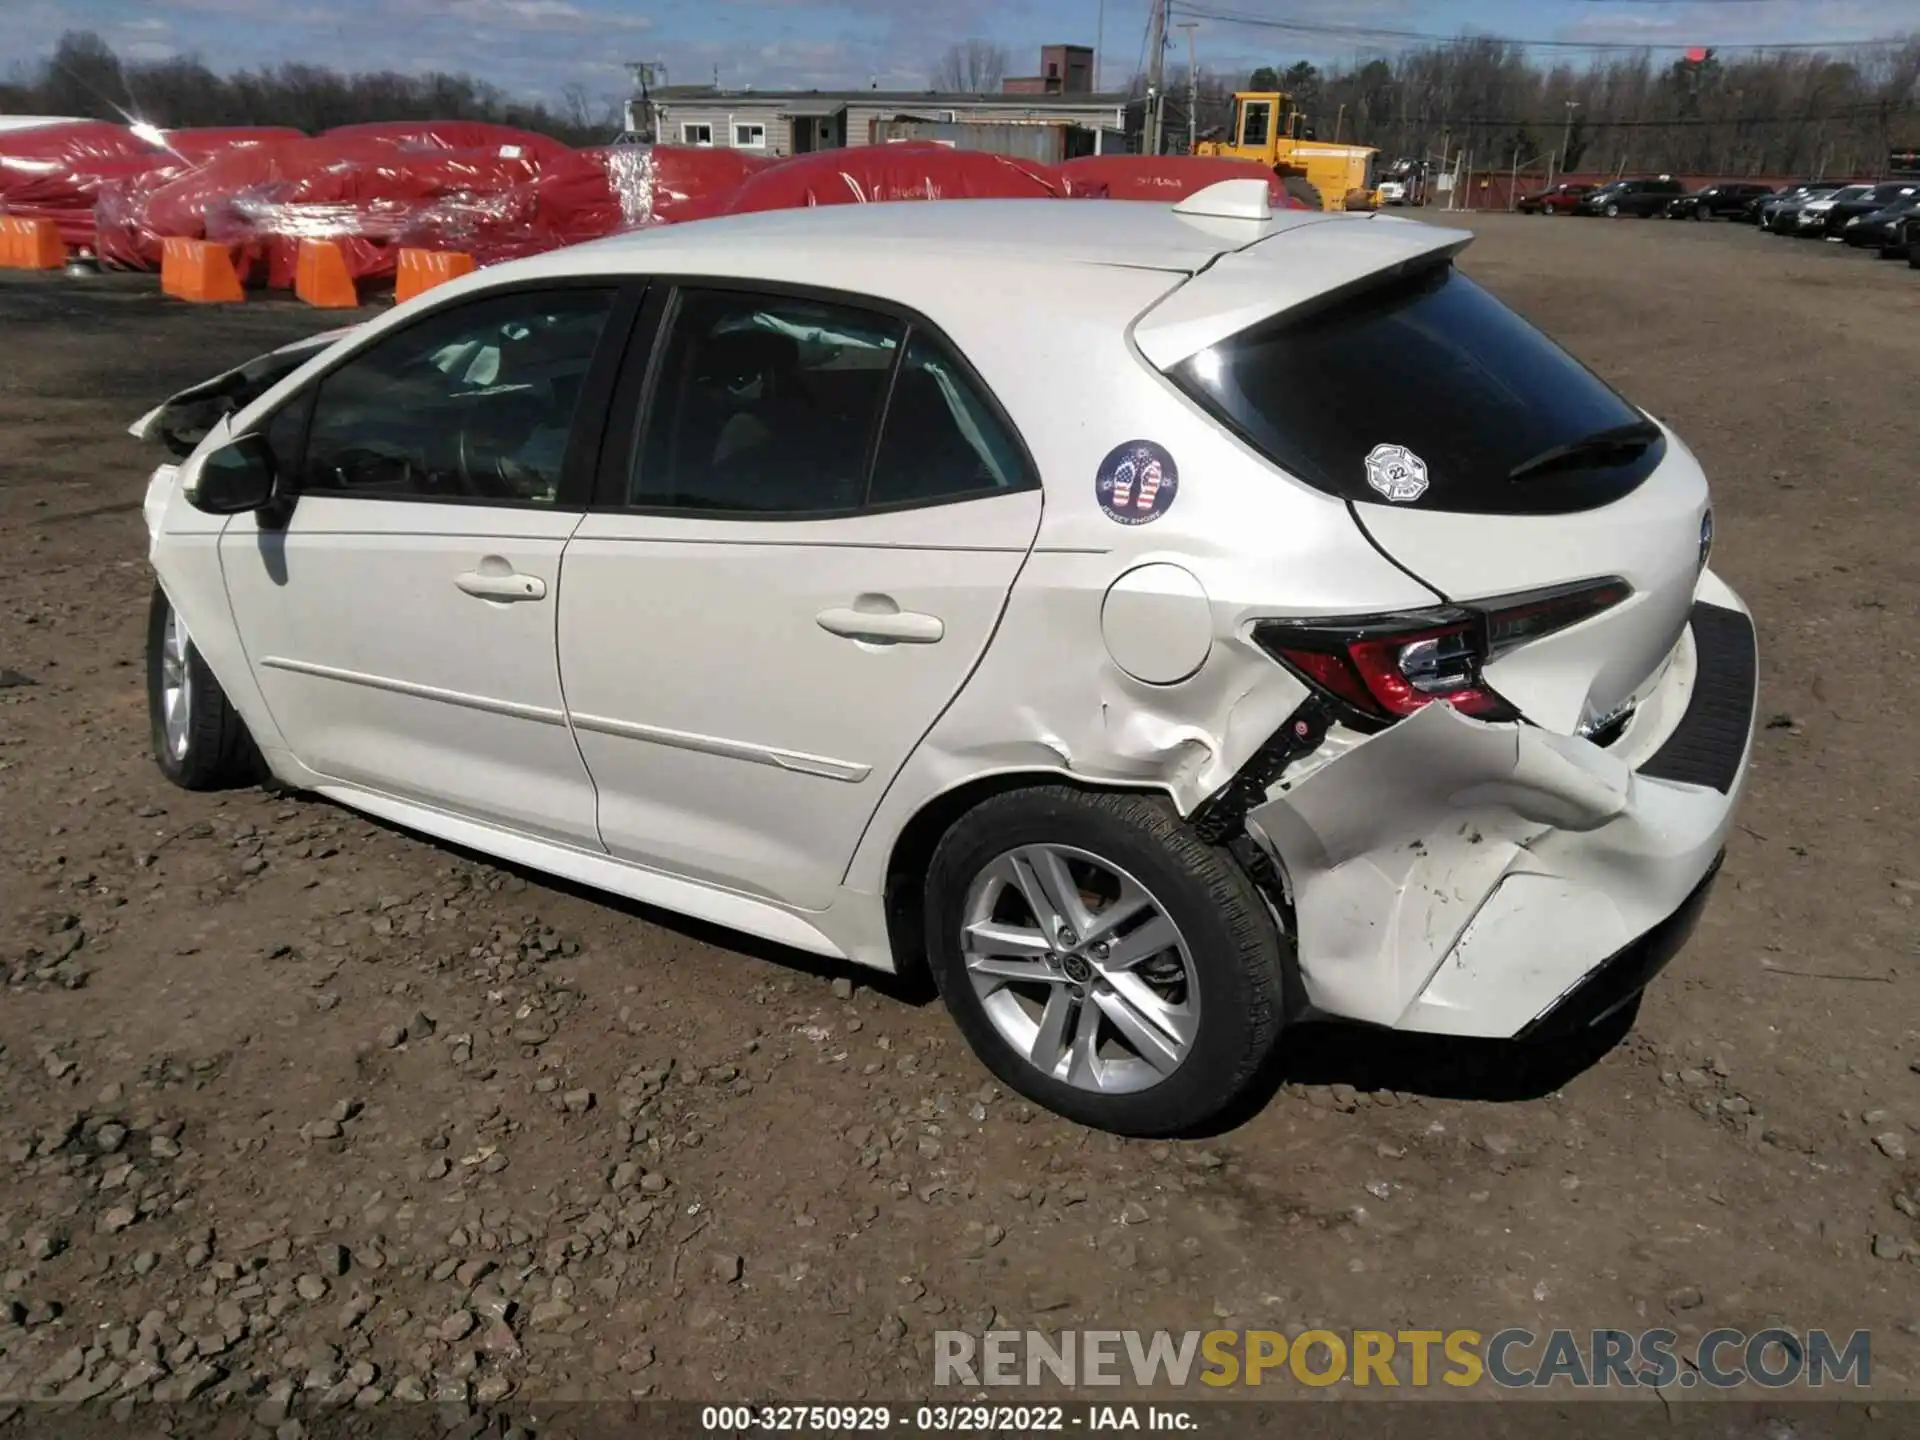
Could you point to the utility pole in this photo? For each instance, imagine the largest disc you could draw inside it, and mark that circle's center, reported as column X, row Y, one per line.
column 1156, row 77
column 1566, row 135
column 1193, row 89
column 1099, row 43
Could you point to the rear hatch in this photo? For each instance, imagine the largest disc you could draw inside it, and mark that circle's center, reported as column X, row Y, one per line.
column 1475, row 453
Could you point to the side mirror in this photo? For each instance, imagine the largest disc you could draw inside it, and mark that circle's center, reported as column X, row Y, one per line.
column 235, row 479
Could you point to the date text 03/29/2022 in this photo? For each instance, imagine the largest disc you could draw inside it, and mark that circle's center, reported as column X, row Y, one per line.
column 941, row 1419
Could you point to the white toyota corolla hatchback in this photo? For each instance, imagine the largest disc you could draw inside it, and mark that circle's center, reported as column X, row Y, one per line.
column 1165, row 623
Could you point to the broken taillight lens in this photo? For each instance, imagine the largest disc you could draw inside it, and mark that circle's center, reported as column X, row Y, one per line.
column 1385, row 667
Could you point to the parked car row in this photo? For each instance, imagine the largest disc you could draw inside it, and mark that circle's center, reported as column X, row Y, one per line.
column 1861, row 214
column 1729, row 200
column 1883, row 216
column 1615, row 198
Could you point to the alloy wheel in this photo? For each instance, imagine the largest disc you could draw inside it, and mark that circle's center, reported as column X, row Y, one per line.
column 176, row 685
column 1080, row 969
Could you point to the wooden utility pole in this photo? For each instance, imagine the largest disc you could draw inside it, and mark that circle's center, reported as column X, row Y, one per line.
column 1193, row 89
column 1099, row 43
column 1156, row 77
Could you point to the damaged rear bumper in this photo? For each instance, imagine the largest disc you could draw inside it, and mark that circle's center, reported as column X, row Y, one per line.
column 1619, row 978
column 1462, row 878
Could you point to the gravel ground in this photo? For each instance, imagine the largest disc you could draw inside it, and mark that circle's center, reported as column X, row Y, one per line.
column 301, row 1109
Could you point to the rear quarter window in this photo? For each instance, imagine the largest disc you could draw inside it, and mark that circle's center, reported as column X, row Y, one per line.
column 1432, row 362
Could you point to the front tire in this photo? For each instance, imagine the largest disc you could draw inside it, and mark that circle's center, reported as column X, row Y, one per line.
column 1103, row 961
column 1613, row 212
column 199, row 740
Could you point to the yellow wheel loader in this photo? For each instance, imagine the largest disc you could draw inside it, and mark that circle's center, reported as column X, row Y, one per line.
column 1318, row 173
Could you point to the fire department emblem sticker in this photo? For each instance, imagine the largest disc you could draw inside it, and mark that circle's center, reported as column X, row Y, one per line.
column 1136, row 483
column 1396, row 472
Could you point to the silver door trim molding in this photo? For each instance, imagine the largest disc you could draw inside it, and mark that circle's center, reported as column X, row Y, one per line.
column 539, row 714
column 822, row 765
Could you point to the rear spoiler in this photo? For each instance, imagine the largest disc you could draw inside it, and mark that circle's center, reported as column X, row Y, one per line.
column 1284, row 271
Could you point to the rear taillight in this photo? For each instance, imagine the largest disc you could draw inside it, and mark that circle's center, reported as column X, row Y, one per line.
column 1385, row 667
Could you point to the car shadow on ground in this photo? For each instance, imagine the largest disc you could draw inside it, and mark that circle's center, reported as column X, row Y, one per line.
column 913, row 987
column 1315, row 1053
column 1333, row 1054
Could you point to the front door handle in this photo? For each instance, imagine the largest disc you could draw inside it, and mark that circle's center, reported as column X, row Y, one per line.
column 510, row 586
column 882, row 627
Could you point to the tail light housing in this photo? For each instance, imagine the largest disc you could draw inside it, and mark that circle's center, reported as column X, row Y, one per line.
column 1382, row 668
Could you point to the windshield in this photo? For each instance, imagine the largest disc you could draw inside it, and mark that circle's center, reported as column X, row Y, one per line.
column 1428, row 364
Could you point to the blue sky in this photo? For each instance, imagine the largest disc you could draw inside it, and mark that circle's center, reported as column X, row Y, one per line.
column 542, row 46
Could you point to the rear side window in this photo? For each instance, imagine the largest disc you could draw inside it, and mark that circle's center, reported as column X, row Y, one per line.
column 780, row 406
column 765, row 405
column 1432, row 363
column 940, row 440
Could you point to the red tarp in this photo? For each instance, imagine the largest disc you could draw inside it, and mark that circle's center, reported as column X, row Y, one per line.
column 911, row 170
column 196, row 147
column 447, row 135
column 64, row 173
column 493, row 191
column 56, row 172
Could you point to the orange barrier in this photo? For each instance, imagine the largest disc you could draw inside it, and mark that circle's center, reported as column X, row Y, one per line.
column 421, row 270
column 320, row 277
column 199, row 270
column 30, row 245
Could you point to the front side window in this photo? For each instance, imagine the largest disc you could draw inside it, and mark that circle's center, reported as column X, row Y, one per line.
column 1257, row 123
column 474, row 403
column 764, row 404
column 1432, row 363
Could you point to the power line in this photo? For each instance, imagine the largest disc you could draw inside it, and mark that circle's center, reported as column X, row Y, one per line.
column 1688, row 122
column 1427, row 37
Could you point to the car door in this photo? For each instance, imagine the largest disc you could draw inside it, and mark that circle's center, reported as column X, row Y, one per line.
column 795, row 562
column 399, row 618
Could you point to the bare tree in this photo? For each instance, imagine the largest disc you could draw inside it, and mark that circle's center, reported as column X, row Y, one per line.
column 973, row 67
column 577, row 105
column 85, row 77
column 1789, row 112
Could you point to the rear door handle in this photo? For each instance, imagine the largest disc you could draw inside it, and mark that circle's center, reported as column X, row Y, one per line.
column 884, row 627
column 510, row 586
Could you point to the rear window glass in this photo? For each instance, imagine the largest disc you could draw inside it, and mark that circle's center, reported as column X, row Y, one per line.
column 1432, row 363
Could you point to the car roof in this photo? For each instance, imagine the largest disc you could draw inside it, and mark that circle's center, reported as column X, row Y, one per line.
column 1071, row 232
column 940, row 257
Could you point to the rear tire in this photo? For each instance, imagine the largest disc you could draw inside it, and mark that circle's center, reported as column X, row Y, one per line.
column 199, row 739
column 1176, row 946
column 1303, row 190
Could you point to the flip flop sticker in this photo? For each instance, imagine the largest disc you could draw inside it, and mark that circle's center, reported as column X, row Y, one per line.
column 1136, row 483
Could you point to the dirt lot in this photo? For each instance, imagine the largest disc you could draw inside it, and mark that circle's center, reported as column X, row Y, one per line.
column 297, row 1102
